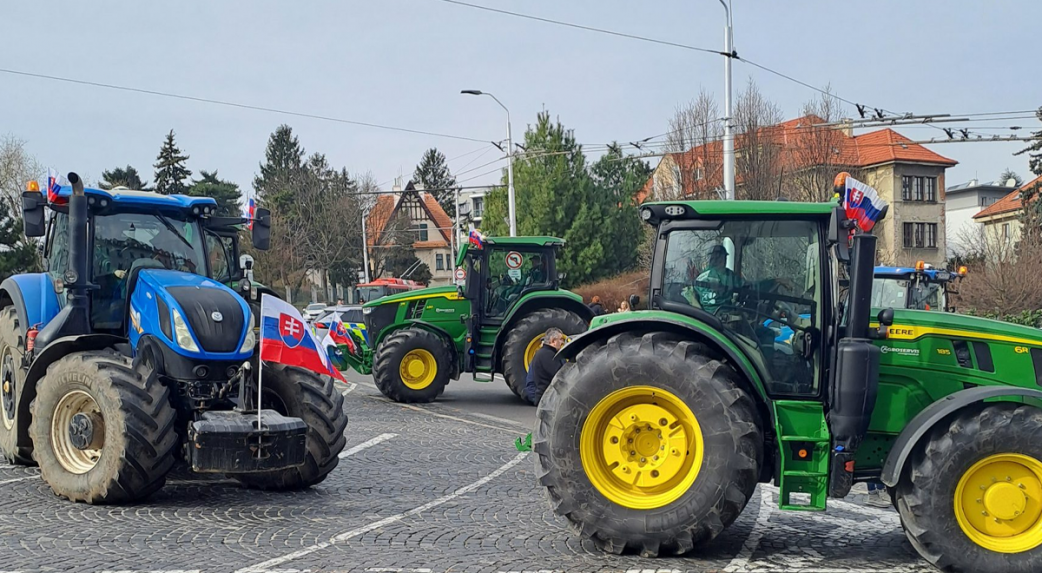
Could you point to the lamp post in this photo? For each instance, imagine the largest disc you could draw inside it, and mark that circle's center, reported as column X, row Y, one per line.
column 365, row 246
column 728, row 132
column 510, row 161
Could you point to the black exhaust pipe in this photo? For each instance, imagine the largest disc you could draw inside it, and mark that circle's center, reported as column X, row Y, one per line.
column 74, row 318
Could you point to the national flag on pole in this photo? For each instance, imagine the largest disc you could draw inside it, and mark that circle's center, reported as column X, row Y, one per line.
column 53, row 188
column 476, row 238
column 250, row 208
column 862, row 204
column 285, row 339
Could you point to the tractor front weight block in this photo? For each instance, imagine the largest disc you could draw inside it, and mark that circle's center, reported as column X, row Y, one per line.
column 230, row 442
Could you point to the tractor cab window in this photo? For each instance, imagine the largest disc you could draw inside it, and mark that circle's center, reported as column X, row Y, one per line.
column 126, row 241
column 220, row 253
column 889, row 293
column 511, row 272
column 58, row 250
column 762, row 280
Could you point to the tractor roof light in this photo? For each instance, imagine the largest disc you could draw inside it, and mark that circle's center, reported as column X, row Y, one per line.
column 32, row 187
column 645, row 214
column 920, row 265
column 962, row 271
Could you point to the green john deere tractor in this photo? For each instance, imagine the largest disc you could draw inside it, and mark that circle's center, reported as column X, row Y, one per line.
column 493, row 323
column 655, row 435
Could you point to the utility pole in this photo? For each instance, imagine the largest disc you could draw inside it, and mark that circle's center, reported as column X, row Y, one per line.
column 365, row 246
column 511, row 214
column 728, row 119
column 455, row 229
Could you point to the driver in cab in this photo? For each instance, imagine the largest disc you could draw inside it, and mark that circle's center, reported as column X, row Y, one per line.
column 716, row 285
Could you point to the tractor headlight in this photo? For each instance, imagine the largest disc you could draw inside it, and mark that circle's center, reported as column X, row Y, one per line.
column 251, row 338
column 182, row 334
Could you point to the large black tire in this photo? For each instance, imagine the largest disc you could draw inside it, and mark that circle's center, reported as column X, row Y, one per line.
column 924, row 496
column 314, row 398
column 387, row 365
column 12, row 379
column 526, row 331
column 730, row 428
column 138, row 425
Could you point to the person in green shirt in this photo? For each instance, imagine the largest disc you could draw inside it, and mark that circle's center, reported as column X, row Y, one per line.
column 715, row 286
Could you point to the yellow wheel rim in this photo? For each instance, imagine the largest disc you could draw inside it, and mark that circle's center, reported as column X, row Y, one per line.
column 641, row 447
column 531, row 349
column 418, row 369
column 75, row 459
column 998, row 503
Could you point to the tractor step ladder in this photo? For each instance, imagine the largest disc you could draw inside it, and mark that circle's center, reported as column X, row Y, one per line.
column 486, row 343
column 803, row 443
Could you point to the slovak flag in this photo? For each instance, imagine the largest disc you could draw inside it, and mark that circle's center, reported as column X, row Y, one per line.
column 862, row 203
column 337, row 335
column 285, row 339
column 476, row 238
column 250, row 208
column 53, row 187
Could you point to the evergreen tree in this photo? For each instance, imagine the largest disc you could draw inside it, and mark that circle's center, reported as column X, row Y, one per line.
column 226, row 193
column 281, row 174
column 123, row 177
column 1034, row 151
column 1010, row 174
column 1031, row 211
column 434, row 174
column 617, row 180
column 17, row 255
column 171, row 172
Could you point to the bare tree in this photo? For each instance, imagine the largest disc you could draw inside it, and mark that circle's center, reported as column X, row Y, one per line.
column 997, row 267
column 816, row 153
column 17, row 167
column 694, row 132
column 759, row 146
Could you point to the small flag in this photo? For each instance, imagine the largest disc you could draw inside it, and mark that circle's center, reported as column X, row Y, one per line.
column 285, row 339
column 476, row 238
column 53, row 188
column 337, row 335
column 862, row 203
column 251, row 207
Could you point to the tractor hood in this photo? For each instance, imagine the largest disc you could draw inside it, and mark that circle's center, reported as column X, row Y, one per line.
column 192, row 314
column 429, row 292
column 912, row 324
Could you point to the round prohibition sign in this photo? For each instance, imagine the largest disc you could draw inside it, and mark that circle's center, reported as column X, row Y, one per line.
column 514, row 260
column 461, row 274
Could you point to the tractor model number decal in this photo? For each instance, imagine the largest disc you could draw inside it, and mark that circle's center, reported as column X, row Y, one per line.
column 1021, row 349
column 514, row 260
column 944, row 352
column 901, row 351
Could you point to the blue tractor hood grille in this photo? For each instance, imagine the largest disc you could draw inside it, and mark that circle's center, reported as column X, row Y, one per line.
column 214, row 313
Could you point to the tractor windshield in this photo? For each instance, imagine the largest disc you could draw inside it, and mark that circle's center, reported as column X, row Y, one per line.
column 762, row 280
column 902, row 293
column 123, row 241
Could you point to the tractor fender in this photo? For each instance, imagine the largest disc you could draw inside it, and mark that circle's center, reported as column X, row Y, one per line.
column 935, row 414
column 33, row 298
column 52, row 352
column 688, row 327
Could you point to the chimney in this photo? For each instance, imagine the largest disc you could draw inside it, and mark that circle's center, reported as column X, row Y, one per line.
column 846, row 127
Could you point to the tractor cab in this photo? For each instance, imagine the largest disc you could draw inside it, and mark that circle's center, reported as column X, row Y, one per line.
column 505, row 269
column 921, row 287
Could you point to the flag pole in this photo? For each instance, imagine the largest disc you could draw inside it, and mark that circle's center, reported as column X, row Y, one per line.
column 260, row 366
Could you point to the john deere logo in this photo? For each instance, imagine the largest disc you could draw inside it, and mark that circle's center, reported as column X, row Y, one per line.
column 902, row 331
column 216, row 316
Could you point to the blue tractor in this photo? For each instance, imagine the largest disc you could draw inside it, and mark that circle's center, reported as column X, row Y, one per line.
column 127, row 356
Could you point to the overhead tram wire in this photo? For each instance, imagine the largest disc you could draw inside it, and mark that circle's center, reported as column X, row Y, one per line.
column 237, row 105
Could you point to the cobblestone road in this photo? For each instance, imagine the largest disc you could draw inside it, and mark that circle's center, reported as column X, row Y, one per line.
column 433, row 488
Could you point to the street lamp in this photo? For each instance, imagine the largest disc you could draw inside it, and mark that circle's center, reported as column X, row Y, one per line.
column 510, row 161
column 728, row 132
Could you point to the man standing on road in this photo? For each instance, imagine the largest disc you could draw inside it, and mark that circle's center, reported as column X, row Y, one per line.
column 544, row 366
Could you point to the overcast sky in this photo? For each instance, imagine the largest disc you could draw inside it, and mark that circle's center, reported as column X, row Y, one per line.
column 403, row 63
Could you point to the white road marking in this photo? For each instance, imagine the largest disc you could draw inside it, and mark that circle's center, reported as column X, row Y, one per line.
column 741, row 560
column 397, row 570
column 500, row 420
column 149, row 571
column 350, row 388
column 366, row 444
column 446, row 416
column 7, row 481
column 386, row 521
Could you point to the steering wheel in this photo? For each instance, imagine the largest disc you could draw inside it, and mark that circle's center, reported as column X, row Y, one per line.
column 772, row 297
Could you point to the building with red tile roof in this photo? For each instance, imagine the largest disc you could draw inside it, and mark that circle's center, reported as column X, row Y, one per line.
column 798, row 159
column 415, row 216
column 1002, row 219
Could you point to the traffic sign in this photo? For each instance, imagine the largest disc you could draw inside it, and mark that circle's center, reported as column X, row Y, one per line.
column 460, row 274
column 514, row 260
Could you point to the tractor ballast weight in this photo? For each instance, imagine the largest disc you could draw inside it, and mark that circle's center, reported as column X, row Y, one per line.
column 125, row 355
column 653, row 436
column 490, row 324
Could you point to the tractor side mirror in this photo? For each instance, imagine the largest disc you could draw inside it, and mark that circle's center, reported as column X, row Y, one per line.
column 886, row 320
column 634, row 301
column 33, row 207
column 261, row 229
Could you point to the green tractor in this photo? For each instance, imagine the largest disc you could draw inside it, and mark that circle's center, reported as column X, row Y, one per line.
column 493, row 323
column 655, row 434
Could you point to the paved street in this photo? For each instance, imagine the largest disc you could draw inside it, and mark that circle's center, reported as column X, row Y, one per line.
column 435, row 488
